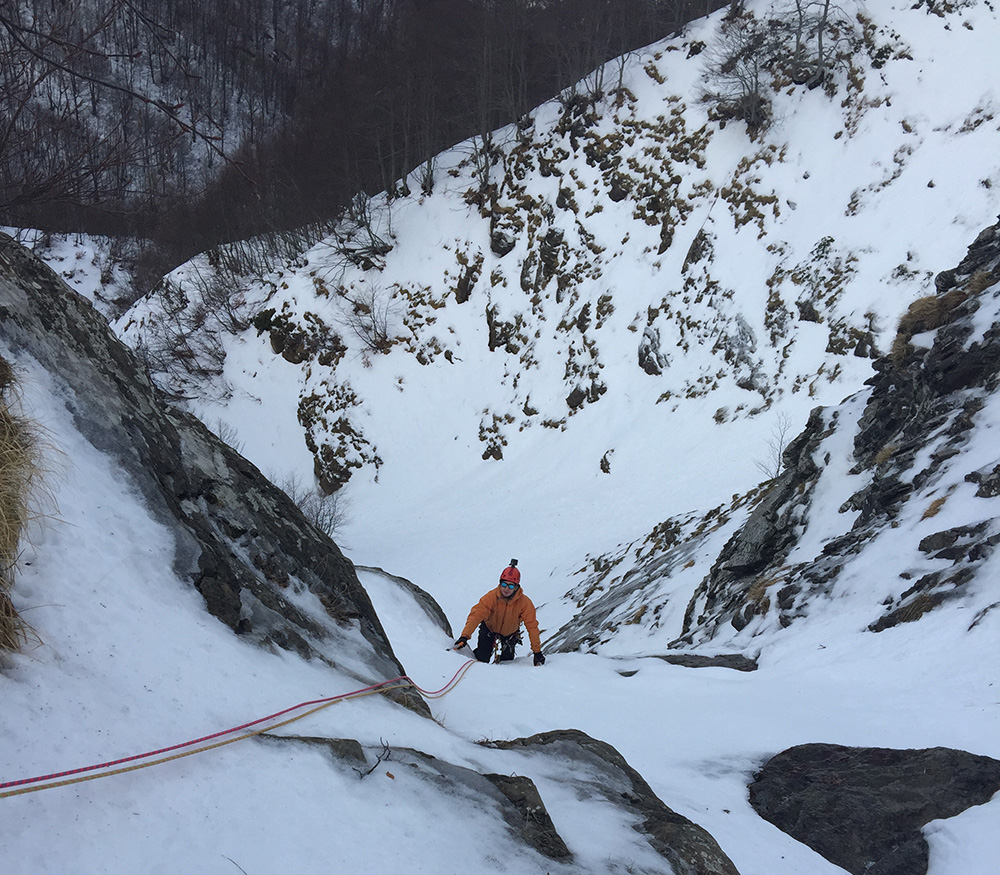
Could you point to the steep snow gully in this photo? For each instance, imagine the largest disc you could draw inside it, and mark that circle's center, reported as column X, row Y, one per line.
column 124, row 632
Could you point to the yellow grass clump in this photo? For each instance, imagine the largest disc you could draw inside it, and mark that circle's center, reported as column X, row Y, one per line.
column 925, row 314
column 19, row 476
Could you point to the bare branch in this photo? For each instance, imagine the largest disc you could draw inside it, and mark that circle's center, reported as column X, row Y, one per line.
column 382, row 757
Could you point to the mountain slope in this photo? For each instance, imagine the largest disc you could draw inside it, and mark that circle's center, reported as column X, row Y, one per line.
column 173, row 592
column 616, row 292
column 815, row 598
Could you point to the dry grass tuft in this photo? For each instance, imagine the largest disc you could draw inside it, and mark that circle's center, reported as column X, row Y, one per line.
column 981, row 281
column 14, row 634
column 20, row 476
column 934, row 508
column 925, row 314
column 886, row 453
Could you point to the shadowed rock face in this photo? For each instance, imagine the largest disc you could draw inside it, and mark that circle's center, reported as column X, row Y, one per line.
column 530, row 817
column 241, row 542
column 863, row 808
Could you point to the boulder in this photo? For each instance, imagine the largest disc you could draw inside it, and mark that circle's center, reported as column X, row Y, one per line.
column 863, row 808
column 688, row 848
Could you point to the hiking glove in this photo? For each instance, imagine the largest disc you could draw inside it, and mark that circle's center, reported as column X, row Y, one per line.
column 539, row 658
column 461, row 642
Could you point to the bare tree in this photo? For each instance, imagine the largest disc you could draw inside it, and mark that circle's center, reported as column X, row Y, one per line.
column 327, row 512
column 150, row 116
column 737, row 70
column 75, row 124
column 772, row 465
column 811, row 25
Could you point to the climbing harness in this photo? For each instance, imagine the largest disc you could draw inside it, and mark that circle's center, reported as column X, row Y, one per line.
column 498, row 644
column 217, row 739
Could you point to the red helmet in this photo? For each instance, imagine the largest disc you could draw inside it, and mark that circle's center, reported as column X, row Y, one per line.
column 510, row 574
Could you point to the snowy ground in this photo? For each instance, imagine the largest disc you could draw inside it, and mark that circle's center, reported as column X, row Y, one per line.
column 128, row 661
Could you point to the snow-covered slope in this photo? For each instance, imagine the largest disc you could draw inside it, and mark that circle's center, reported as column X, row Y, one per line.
column 672, row 291
column 128, row 661
column 861, row 204
column 179, row 605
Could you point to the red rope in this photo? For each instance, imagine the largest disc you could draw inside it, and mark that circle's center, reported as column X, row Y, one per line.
column 141, row 756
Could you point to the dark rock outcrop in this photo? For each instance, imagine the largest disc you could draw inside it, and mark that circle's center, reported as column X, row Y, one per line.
column 341, row 750
column 915, row 390
column 863, row 808
column 739, row 584
column 688, row 848
column 652, row 359
column 531, row 818
column 241, row 542
column 734, row 661
column 922, row 409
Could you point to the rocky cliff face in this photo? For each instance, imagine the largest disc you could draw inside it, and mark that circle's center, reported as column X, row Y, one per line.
column 263, row 569
column 910, row 448
column 928, row 398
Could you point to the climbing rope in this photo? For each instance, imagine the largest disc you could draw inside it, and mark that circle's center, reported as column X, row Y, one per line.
column 209, row 742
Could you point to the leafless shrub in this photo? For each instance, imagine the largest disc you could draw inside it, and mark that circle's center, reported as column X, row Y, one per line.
column 772, row 464
column 802, row 42
column 385, row 755
column 368, row 316
column 736, row 69
column 483, row 153
column 176, row 346
column 228, row 434
column 819, row 34
column 425, row 175
column 327, row 512
column 222, row 295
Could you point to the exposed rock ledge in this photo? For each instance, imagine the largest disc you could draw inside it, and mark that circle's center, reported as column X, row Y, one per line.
column 736, row 661
column 688, row 848
column 594, row 772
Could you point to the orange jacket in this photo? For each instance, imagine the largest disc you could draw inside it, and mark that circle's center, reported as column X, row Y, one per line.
column 504, row 616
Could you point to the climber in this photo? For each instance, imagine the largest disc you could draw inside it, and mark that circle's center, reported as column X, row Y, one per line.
column 499, row 615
